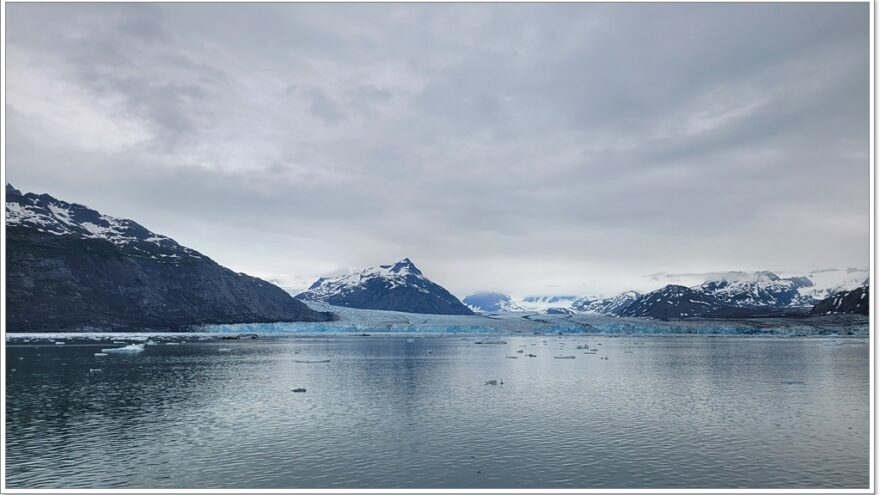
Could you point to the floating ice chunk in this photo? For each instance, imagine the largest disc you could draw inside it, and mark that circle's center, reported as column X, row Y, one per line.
column 127, row 349
column 100, row 354
column 172, row 343
column 224, row 349
column 59, row 343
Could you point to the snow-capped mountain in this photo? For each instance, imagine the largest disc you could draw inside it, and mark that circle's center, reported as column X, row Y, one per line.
column 830, row 281
column 542, row 303
column 491, row 302
column 44, row 214
column 396, row 287
column 70, row 267
column 606, row 306
column 854, row 301
column 759, row 289
column 675, row 301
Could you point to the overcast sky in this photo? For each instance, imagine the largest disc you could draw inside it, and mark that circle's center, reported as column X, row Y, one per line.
column 527, row 148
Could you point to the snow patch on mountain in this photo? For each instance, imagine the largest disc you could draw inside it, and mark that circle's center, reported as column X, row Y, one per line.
column 606, row 306
column 674, row 301
column 46, row 214
column 760, row 289
column 491, row 302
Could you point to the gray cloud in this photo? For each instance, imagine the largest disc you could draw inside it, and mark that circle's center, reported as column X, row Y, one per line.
column 522, row 147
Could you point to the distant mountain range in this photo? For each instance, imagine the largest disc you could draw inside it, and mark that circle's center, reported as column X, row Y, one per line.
column 491, row 302
column 70, row 267
column 731, row 294
column 396, row 287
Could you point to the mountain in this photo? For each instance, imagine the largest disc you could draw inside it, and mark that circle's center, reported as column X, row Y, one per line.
column 606, row 306
column 397, row 287
column 542, row 303
column 490, row 302
column 759, row 289
column 70, row 267
column 675, row 301
column 830, row 281
column 559, row 311
column 853, row 301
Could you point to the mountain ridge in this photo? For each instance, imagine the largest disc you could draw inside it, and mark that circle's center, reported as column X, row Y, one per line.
column 70, row 267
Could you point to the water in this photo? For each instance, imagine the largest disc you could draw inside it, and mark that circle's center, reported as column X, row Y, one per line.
column 660, row 412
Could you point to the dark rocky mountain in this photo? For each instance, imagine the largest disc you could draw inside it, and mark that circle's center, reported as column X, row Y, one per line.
column 396, row 287
column 606, row 306
column 72, row 268
column 490, row 302
column 847, row 302
column 676, row 301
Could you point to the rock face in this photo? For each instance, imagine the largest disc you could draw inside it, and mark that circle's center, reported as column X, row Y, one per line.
column 71, row 268
column 490, row 302
column 847, row 302
column 607, row 306
column 676, row 301
column 397, row 287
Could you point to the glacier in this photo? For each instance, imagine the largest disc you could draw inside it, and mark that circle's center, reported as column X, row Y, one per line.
column 357, row 321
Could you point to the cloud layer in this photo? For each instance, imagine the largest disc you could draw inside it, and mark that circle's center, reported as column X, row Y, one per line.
column 528, row 148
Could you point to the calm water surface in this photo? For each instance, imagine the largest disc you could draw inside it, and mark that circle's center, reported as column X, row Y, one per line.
column 660, row 412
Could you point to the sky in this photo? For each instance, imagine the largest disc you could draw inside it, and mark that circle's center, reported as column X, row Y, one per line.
column 524, row 148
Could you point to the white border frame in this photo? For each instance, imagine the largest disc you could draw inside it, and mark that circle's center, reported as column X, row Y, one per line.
column 872, row 303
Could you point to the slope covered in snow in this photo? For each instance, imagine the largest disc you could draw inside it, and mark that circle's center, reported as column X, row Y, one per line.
column 759, row 289
column 606, row 306
column 45, row 214
column 831, row 281
column 491, row 302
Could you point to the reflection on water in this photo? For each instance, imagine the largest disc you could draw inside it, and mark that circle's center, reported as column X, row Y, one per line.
column 660, row 412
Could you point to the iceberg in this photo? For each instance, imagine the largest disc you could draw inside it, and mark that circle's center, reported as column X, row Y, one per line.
column 131, row 348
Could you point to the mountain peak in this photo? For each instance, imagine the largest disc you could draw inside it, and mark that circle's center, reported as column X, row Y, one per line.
column 397, row 287
column 405, row 265
column 11, row 191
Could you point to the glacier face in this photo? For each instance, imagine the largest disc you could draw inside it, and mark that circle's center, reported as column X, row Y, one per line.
column 357, row 321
